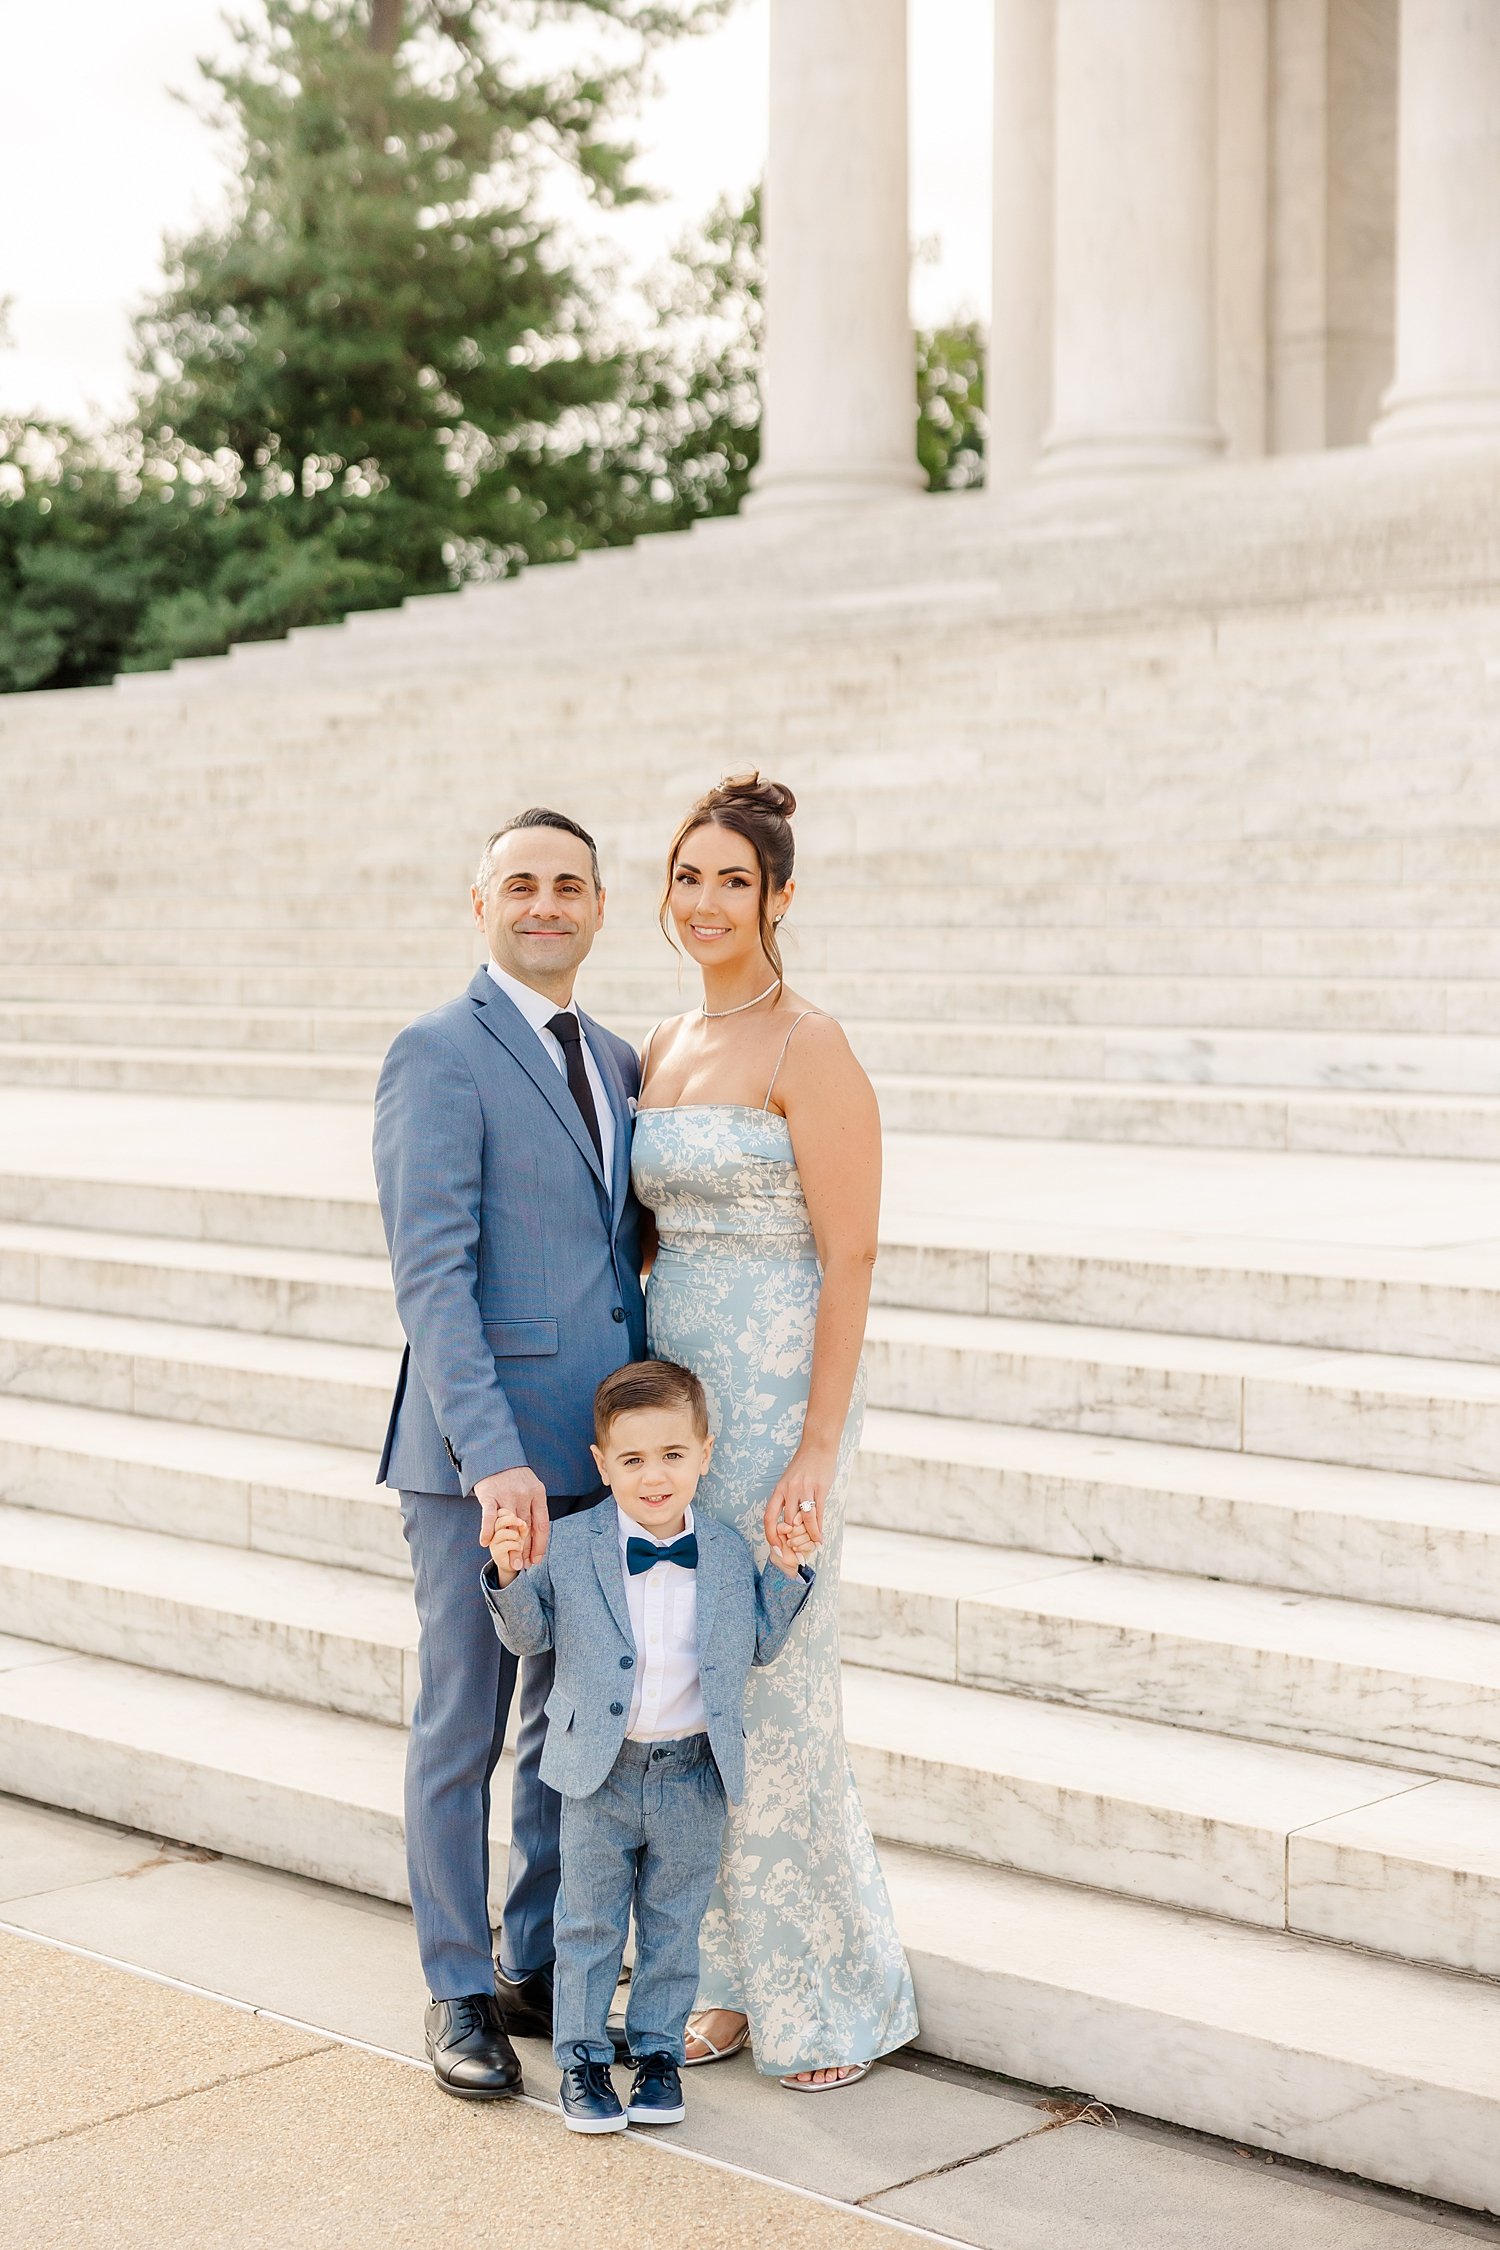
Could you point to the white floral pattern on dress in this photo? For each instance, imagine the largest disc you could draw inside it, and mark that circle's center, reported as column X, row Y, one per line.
column 799, row 1934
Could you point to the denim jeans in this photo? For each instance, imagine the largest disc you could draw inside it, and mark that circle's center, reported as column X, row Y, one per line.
column 647, row 1838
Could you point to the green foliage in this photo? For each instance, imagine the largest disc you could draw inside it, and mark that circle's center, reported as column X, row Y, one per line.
column 384, row 332
column 687, row 434
column 950, row 406
column 381, row 373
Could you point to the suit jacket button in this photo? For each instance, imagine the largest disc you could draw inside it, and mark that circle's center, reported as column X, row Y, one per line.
column 617, row 1710
column 618, row 1313
column 627, row 1663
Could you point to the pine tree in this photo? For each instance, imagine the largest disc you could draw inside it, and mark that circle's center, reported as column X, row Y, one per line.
column 384, row 359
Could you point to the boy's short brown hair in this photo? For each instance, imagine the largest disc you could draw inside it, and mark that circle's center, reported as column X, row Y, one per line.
column 646, row 1383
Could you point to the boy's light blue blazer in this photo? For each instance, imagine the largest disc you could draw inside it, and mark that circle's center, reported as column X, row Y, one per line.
column 573, row 1601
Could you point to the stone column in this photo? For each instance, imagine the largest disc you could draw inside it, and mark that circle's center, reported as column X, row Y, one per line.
column 1018, row 378
column 840, row 367
column 1134, row 385
column 1447, row 384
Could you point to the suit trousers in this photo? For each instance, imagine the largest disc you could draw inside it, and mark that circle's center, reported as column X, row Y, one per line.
column 648, row 1838
column 466, row 1684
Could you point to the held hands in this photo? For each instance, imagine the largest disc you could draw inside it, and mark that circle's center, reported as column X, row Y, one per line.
column 508, row 1544
column 799, row 1498
column 794, row 1547
column 517, row 1493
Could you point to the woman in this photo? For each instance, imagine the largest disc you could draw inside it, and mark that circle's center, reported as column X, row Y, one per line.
column 757, row 1146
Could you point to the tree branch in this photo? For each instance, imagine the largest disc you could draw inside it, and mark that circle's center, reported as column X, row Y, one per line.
column 385, row 26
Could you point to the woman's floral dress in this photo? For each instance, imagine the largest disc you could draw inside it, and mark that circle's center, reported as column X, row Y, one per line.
column 799, row 1934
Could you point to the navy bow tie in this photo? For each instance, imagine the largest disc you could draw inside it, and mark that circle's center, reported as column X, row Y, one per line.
column 640, row 1554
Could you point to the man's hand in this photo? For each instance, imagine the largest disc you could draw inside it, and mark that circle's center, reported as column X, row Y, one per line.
column 515, row 1492
column 508, row 1546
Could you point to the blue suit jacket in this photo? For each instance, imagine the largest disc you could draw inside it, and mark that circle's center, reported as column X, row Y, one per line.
column 573, row 1601
column 517, row 1278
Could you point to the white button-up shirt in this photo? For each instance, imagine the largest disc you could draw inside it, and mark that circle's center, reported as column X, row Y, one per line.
column 538, row 1011
column 667, row 1698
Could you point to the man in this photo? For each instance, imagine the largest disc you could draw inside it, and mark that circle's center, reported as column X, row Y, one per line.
column 502, row 1156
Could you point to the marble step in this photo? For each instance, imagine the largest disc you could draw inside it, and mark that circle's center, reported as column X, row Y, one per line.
column 1381, row 2068
column 1344, row 1005
column 302, row 1632
column 274, row 1386
column 1397, row 1541
column 1364, row 1409
column 230, row 1488
column 1247, row 1002
column 1440, row 1304
column 265, row 1291
column 1444, row 1305
column 1335, row 1677
column 1364, row 1061
column 1464, row 1126
column 304, row 1210
column 1344, row 1679
column 869, row 949
column 286, row 1009
column 1460, row 1126
column 847, row 897
column 1330, row 1059
column 1365, row 1855
column 175, row 1070
column 1421, row 1543
column 285, row 1785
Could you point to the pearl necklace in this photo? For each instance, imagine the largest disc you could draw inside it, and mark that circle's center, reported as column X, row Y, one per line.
column 713, row 1014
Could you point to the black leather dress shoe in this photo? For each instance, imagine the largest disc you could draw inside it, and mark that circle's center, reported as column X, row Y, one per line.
column 526, row 2005
column 589, row 2101
column 469, row 2051
column 526, row 2010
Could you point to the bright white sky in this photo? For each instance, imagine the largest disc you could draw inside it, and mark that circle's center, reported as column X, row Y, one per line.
column 97, row 161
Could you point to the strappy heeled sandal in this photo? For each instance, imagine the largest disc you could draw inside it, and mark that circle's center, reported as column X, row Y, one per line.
column 853, row 2073
column 736, row 2046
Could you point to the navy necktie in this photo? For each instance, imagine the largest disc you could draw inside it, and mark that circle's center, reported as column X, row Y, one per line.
column 640, row 1554
column 568, row 1032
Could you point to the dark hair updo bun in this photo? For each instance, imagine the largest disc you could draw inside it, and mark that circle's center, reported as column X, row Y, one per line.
column 761, row 811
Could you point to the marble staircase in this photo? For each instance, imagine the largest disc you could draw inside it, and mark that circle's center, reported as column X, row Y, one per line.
column 1152, row 871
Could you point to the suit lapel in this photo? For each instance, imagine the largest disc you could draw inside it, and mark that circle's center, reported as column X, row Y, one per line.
column 609, row 1071
column 608, row 1567
column 505, row 1022
column 710, row 1579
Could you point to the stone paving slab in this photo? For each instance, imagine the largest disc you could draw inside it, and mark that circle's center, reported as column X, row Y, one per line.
column 81, row 2045
column 1087, row 2187
column 920, row 2144
column 304, row 2144
column 41, row 1849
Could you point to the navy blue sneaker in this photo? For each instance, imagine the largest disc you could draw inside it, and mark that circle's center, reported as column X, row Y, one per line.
column 589, row 2101
column 656, row 2096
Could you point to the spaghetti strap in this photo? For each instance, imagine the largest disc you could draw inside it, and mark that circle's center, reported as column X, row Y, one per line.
column 781, row 1058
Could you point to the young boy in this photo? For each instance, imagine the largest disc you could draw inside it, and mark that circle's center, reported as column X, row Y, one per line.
column 656, row 1620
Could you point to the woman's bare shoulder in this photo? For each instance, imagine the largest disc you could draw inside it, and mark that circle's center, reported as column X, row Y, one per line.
column 817, row 1032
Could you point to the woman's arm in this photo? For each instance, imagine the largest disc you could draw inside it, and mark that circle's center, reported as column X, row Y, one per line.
column 835, row 1126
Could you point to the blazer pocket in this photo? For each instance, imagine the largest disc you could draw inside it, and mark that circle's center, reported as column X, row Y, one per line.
column 521, row 1339
column 559, row 1707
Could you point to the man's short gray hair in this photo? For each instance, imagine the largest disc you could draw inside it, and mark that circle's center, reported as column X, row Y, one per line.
column 538, row 816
